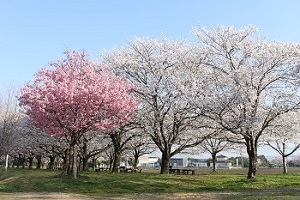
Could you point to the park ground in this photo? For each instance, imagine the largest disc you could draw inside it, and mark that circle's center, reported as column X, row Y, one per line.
column 273, row 194
column 271, row 190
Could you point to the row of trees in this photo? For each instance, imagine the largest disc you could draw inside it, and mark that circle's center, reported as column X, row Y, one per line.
column 229, row 82
column 29, row 144
column 227, row 85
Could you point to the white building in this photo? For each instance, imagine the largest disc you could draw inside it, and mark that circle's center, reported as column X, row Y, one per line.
column 188, row 162
column 222, row 162
column 147, row 161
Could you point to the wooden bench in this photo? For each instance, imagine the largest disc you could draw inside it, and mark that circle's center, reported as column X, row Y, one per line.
column 187, row 171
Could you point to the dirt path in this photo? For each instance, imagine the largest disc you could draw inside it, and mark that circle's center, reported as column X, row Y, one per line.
column 202, row 196
column 64, row 196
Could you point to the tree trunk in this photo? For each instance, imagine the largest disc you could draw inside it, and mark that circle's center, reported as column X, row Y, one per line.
column 39, row 161
column 116, row 140
column 23, row 161
column 94, row 162
column 72, row 165
column 136, row 160
column 213, row 156
column 252, row 156
column 70, row 161
column 15, row 162
column 30, row 161
column 65, row 158
column 51, row 163
column 284, row 159
column 284, row 164
column 66, row 163
column 111, row 163
column 165, row 161
column 117, row 160
column 84, row 164
column 6, row 162
column 84, row 157
column 19, row 161
column 75, row 162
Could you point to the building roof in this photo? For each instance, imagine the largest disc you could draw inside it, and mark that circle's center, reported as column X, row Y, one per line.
column 221, row 156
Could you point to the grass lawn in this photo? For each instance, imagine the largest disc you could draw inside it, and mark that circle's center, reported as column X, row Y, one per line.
column 232, row 186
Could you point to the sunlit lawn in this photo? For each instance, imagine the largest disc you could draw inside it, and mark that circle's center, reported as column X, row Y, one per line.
column 107, row 184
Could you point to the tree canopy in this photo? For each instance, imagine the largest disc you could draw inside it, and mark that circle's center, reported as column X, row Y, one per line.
column 77, row 96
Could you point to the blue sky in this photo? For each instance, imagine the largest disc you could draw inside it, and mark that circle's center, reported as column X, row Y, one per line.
column 35, row 32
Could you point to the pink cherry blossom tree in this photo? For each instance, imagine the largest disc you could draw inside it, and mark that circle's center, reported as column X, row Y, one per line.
column 75, row 97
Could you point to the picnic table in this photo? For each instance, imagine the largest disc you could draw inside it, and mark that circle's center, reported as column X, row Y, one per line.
column 174, row 171
column 187, row 171
column 181, row 171
column 101, row 169
column 130, row 169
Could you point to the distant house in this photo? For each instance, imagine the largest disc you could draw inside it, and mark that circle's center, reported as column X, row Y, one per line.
column 188, row 162
column 178, row 162
column 194, row 162
column 222, row 162
column 147, row 161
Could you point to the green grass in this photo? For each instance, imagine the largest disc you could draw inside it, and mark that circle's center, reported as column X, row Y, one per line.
column 107, row 184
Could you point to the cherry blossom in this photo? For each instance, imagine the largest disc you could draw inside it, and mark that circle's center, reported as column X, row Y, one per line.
column 77, row 96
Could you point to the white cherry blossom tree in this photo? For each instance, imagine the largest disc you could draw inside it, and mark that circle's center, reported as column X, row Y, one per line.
column 91, row 145
column 139, row 146
column 248, row 83
column 283, row 136
column 155, row 67
column 215, row 144
column 9, row 123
